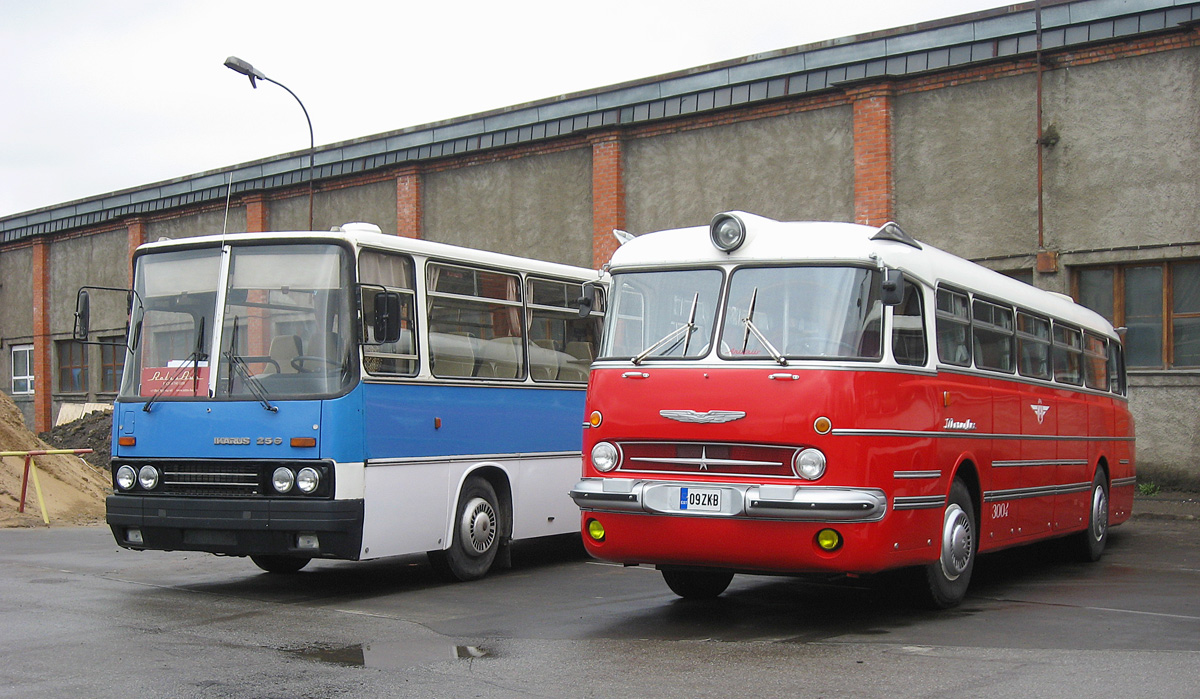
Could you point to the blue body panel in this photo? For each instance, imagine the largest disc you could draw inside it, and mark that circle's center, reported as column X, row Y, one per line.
column 402, row 420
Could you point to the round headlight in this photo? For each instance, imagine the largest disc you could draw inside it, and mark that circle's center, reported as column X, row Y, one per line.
column 605, row 456
column 809, row 464
column 308, row 479
column 727, row 232
column 126, row 477
column 283, row 479
column 148, row 477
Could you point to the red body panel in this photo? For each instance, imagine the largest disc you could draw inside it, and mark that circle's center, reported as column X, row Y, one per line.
column 905, row 433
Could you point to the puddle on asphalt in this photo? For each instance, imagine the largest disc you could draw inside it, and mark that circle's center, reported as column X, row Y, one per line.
column 391, row 655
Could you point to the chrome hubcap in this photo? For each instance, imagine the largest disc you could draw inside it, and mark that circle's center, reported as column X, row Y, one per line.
column 478, row 526
column 1099, row 513
column 956, row 542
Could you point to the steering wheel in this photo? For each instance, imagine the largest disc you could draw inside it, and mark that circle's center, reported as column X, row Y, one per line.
column 299, row 360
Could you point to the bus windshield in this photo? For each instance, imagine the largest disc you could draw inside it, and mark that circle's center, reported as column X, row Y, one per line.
column 803, row 312
column 284, row 332
column 656, row 315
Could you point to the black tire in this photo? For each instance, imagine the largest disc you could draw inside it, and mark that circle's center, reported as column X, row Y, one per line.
column 280, row 564
column 946, row 579
column 478, row 529
column 1090, row 543
column 697, row 584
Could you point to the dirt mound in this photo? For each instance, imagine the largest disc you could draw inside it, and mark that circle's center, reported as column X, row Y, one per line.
column 72, row 488
column 92, row 431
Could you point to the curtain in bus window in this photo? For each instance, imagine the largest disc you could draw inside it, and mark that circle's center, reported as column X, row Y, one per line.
column 394, row 273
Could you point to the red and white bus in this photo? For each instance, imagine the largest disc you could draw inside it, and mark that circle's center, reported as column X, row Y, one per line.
column 781, row 398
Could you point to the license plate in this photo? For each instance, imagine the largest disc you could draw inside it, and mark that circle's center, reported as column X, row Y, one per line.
column 700, row 499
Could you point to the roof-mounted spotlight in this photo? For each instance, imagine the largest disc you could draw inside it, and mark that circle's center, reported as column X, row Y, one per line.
column 727, row 232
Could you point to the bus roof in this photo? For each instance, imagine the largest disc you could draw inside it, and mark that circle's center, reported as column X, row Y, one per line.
column 770, row 241
column 368, row 236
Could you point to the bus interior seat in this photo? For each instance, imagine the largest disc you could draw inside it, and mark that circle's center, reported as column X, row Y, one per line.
column 505, row 358
column 453, row 354
column 580, row 350
column 543, row 360
column 284, row 348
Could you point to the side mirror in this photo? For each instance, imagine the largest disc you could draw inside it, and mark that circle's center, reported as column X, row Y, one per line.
column 893, row 287
column 387, row 317
column 587, row 301
column 83, row 316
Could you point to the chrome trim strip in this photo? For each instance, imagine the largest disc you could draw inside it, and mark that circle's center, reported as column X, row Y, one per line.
column 1124, row 482
column 972, row 435
column 907, row 475
column 705, row 461
column 1035, row 492
column 767, row 502
column 920, row 502
column 1124, row 462
column 1040, row 462
column 474, row 458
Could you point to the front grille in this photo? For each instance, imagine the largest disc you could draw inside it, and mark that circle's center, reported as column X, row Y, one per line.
column 211, row 479
column 715, row 458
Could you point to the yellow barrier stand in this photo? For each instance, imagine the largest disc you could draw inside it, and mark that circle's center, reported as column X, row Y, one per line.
column 30, row 467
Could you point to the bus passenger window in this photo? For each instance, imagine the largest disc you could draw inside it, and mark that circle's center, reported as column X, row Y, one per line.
column 1067, row 355
column 394, row 273
column 1095, row 362
column 562, row 344
column 476, row 324
column 953, row 327
column 1033, row 346
column 908, row 328
column 992, row 327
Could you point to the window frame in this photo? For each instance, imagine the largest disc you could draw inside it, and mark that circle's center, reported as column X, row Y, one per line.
column 30, row 377
column 74, row 350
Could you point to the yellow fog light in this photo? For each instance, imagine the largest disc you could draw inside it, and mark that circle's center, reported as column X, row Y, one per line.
column 595, row 530
column 829, row 540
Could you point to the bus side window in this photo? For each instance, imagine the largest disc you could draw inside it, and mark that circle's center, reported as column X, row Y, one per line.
column 953, row 327
column 1033, row 346
column 1095, row 362
column 1116, row 368
column 394, row 273
column 476, row 322
column 992, row 328
column 1068, row 355
column 562, row 344
column 908, row 328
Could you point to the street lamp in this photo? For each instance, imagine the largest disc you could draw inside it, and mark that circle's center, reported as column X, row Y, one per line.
column 238, row 65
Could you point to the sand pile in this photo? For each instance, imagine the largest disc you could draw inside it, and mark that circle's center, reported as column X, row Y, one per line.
column 73, row 489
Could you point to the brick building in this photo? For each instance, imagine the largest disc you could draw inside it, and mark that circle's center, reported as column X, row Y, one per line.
column 1067, row 156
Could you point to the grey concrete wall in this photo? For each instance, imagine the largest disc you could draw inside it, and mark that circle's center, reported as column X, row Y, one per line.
column 1127, row 167
column 16, row 297
column 371, row 203
column 966, row 166
column 192, row 225
column 538, row 206
column 793, row 167
column 94, row 260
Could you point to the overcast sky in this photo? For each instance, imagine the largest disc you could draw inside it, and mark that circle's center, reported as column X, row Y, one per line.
column 102, row 96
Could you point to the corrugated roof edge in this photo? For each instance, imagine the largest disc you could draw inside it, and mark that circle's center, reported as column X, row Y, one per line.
column 701, row 88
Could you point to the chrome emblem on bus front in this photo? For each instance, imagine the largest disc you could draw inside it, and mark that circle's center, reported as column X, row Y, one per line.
column 712, row 417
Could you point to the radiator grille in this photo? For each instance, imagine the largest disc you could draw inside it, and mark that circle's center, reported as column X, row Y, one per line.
column 718, row 458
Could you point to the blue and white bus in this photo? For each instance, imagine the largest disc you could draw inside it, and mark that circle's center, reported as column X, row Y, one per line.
column 350, row 395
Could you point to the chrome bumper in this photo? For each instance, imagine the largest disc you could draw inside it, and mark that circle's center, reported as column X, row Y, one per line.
column 778, row 502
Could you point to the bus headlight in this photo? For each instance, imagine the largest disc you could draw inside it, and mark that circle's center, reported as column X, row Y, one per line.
column 727, row 232
column 148, row 477
column 126, row 477
column 605, row 456
column 308, row 479
column 809, row 464
column 283, row 479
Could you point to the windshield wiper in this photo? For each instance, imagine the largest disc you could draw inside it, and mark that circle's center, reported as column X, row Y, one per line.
column 673, row 336
column 237, row 364
column 198, row 355
column 752, row 329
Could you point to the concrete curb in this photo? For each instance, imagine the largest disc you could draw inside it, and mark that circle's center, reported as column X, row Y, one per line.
column 1167, row 505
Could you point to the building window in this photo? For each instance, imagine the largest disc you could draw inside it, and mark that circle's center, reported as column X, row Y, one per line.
column 1158, row 303
column 72, row 367
column 22, row 369
column 112, row 363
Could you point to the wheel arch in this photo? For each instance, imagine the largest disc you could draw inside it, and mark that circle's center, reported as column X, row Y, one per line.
column 500, row 481
column 969, row 473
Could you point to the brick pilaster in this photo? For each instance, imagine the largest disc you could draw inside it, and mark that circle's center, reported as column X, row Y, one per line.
column 409, row 213
column 256, row 214
column 135, row 231
column 43, row 407
column 608, row 195
column 874, row 184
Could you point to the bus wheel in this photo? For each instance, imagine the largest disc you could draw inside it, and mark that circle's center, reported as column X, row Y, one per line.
column 1092, row 541
column 477, row 531
column 946, row 579
column 280, row 564
column 697, row 584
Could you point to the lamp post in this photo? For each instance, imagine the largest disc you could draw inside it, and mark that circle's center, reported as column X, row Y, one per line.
column 238, row 65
